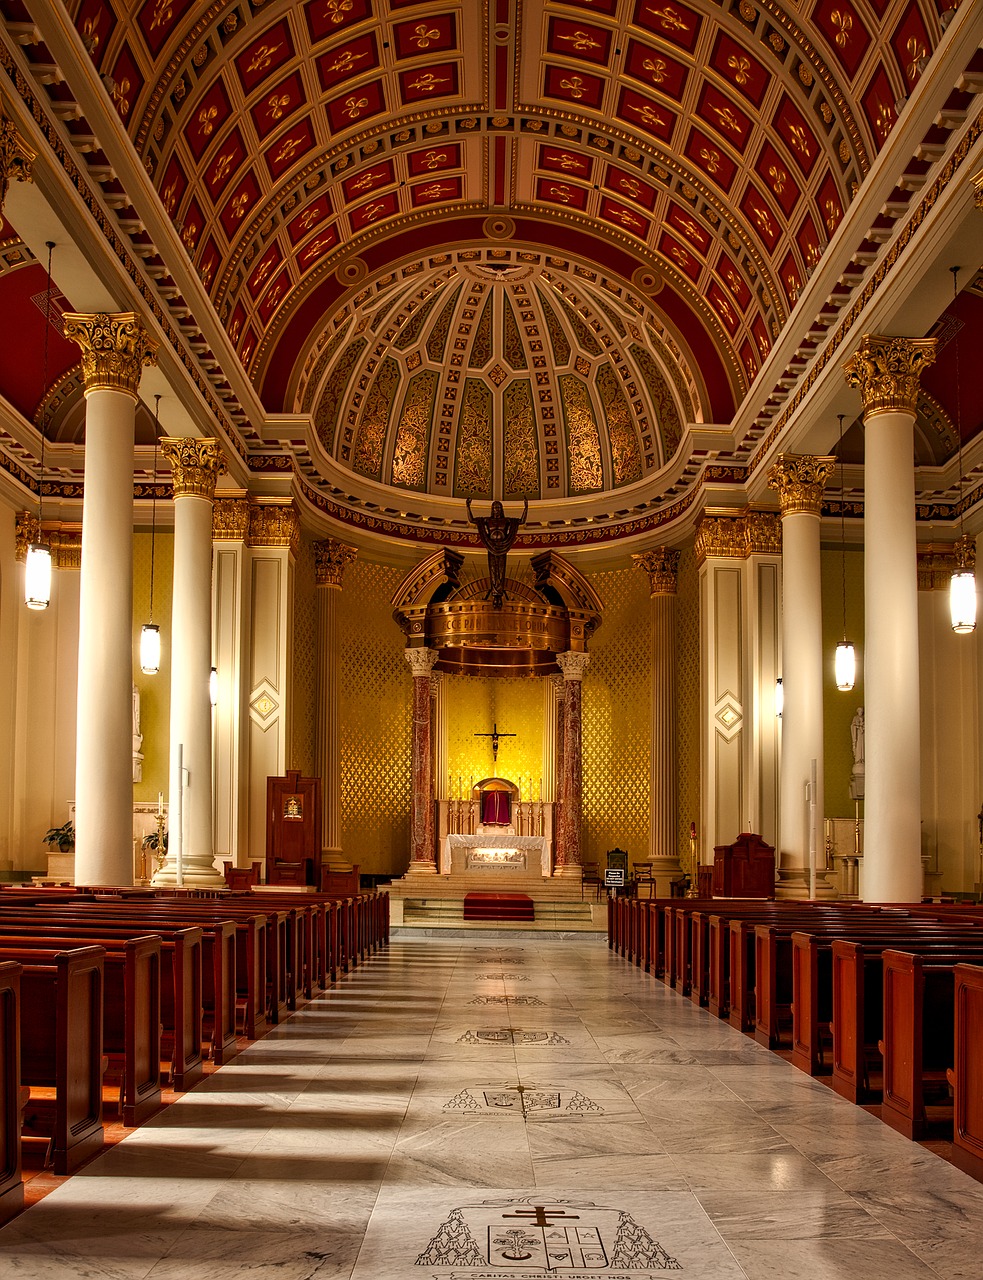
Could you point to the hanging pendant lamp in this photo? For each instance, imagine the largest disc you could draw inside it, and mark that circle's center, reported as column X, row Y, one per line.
column 150, row 633
column 37, row 567
column 962, row 584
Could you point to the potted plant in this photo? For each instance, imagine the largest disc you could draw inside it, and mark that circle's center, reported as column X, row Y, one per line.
column 61, row 838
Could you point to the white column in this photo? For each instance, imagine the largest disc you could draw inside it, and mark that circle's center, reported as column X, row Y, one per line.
column 114, row 350
column 662, row 566
column 195, row 464
column 887, row 369
column 330, row 561
column 800, row 480
column 231, row 641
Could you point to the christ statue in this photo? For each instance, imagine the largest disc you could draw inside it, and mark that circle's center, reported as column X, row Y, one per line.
column 497, row 533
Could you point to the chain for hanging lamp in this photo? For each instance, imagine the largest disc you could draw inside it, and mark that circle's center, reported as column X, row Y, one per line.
column 150, row 633
column 962, row 584
column 37, row 566
column 845, row 657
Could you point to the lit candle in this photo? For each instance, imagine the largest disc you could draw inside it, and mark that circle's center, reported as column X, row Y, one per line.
column 160, row 803
column 540, row 790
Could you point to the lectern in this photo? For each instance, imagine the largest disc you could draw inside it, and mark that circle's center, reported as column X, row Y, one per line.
column 293, row 829
column 744, row 869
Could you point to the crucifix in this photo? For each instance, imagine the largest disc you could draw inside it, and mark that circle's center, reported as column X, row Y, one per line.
column 495, row 735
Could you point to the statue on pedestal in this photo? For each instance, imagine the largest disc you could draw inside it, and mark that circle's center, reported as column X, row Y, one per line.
column 857, row 739
column 497, row 533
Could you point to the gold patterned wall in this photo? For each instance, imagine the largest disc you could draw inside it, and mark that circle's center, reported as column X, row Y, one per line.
column 375, row 706
column 839, row 708
column 617, row 717
column 473, row 704
column 687, row 701
column 304, row 719
column 155, row 699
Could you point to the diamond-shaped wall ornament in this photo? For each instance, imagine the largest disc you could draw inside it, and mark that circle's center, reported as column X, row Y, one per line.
column 729, row 716
column 263, row 702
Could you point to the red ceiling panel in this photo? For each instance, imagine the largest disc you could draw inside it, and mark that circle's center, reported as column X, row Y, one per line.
column 192, row 226
column 437, row 81
column 669, row 20
column 276, row 293
column 224, row 164
column 357, row 58
column 761, row 339
column 620, row 215
column 807, row 238
column 711, row 158
column 606, row 7
column 765, row 223
column 830, row 205
column 374, row 210
column 361, row 184
column 357, row 106
column 642, row 113
column 278, row 104
column 322, row 243
column 243, row 200
column 127, row 83
column 291, row 147
column 739, row 68
column 436, row 35
column 791, row 278
column 683, row 221
column 734, row 281
column 791, row 125
column 434, row 159
column 723, row 117
column 774, row 174
column 236, row 322
column 553, row 191
column 328, row 18
column 680, row 255
column 630, row 186
column 844, row 30
column 749, row 359
column 576, row 164
column 207, row 119
column 269, row 262
column 573, row 86
column 267, row 53
column 723, row 307
column 173, row 187
column 911, row 44
column 95, row 22
column 878, row 105
column 209, row 263
column 435, row 191
column 656, row 69
column 567, row 39
column 306, row 221
column 248, row 345
column 158, row 22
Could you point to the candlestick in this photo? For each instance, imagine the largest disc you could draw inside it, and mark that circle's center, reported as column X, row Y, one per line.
column 160, row 802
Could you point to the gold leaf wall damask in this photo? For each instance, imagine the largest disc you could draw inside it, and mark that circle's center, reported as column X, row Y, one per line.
column 472, row 705
column 688, row 702
column 617, row 716
column 304, row 721
column 375, row 698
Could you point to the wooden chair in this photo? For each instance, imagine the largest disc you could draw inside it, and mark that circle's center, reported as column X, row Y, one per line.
column 642, row 875
column 589, row 875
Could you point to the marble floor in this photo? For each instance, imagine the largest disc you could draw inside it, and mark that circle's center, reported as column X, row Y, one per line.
column 520, row 1105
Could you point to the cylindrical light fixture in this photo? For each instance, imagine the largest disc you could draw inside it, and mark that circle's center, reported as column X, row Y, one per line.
column 150, row 649
column 37, row 577
column 845, row 665
column 779, row 697
column 213, row 686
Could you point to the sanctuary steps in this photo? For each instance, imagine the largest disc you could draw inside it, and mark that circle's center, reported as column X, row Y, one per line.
column 438, row 901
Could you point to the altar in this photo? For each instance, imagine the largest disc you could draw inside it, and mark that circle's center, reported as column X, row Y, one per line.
column 495, row 852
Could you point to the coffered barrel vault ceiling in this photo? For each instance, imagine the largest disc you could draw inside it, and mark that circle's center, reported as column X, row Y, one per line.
column 506, row 248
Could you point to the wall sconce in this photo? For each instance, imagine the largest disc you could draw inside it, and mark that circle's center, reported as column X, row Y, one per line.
column 779, row 697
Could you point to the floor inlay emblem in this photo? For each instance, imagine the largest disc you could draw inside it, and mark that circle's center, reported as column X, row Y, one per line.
column 523, row 1101
column 506, row 976
column 511, row 1035
column 530, row 1239
column 533, row 1001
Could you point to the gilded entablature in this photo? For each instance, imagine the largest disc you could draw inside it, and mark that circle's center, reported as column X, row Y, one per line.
column 196, row 462
column 115, row 349
column 16, row 157
column 887, row 371
column 737, row 535
column 800, row 480
column 331, row 558
column 662, row 567
column 274, row 525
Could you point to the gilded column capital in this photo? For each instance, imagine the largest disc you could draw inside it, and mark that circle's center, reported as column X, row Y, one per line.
column 421, row 662
column 196, row 463
column 115, row 349
column 274, row 524
column 937, row 563
column 230, row 520
column 735, row 535
column 800, row 479
column 887, row 371
column 27, row 532
column 331, row 559
column 573, row 664
column 16, row 158
column 662, row 567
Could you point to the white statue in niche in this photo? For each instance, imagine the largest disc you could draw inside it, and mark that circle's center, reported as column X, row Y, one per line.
column 857, row 776
column 137, row 738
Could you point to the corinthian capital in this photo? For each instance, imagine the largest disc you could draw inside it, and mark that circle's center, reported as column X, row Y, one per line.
column 115, row 349
column 573, row 664
column 662, row 567
column 887, row 371
column 274, row 524
column 196, row 462
column 16, row 158
column 800, row 479
column 331, row 559
column 230, row 520
column 421, row 661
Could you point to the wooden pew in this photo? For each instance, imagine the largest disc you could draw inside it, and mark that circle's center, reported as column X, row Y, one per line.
column 966, row 1073
column 919, row 1026
column 11, row 1185
column 61, row 1050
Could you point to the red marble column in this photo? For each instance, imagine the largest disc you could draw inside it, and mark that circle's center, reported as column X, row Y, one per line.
column 422, row 852
column 568, row 857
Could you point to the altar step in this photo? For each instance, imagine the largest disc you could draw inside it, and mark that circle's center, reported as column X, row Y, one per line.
column 448, row 913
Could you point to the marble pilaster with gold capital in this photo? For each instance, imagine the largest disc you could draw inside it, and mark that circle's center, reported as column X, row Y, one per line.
column 115, row 349
column 887, row 370
column 568, row 859
column 800, row 479
column 16, row 158
column 331, row 558
column 423, row 856
column 196, row 463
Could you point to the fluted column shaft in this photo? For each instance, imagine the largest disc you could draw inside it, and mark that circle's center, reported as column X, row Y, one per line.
column 114, row 350
column 196, row 463
column 568, row 854
column 800, row 480
column 887, row 371
column 422, row 851
column 330, row 561
column 662, row 566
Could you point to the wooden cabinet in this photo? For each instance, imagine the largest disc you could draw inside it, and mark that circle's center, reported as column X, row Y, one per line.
column 744, row 869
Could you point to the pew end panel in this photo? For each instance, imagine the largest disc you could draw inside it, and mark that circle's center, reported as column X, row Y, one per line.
column 11, row 1185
